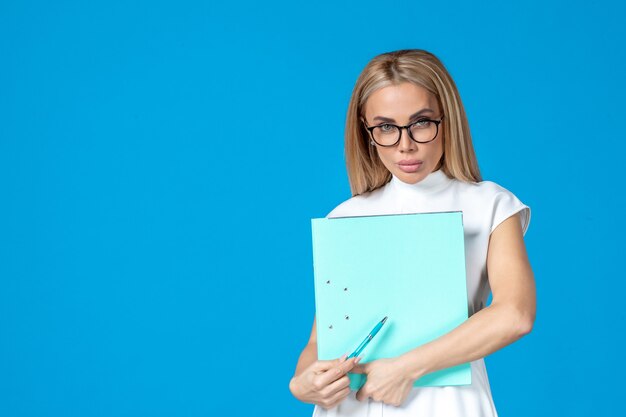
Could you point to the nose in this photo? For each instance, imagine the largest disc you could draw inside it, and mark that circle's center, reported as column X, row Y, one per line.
column 406, row 143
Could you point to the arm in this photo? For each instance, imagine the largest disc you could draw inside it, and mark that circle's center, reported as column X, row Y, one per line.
column 309, row 353
column 324, row 383
column 509, row 317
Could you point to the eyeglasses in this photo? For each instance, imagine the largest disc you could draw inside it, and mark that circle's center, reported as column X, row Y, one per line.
column 421, row 131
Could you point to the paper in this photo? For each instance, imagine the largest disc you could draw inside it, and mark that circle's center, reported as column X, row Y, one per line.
column 409, row 267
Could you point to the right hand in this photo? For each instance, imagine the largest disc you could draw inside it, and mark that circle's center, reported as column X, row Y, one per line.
column 324, row 383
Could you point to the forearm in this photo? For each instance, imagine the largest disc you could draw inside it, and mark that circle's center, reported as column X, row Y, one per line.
column 307, row 357
column 483, row 333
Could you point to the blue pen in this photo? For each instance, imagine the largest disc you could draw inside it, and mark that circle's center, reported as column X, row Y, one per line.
column 368, row 339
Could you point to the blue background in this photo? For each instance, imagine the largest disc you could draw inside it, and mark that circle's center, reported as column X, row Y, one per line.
column 160, row 163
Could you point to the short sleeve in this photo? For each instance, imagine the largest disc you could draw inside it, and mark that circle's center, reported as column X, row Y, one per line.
column 337, row 211
column 507, row 204
column 351, row 207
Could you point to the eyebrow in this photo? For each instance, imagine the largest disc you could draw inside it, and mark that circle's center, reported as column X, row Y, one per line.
column 413, row 116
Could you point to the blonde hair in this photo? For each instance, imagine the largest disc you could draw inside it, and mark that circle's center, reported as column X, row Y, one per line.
column 366, row 171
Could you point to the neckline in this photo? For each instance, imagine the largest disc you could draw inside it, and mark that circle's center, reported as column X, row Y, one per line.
column 435, row 181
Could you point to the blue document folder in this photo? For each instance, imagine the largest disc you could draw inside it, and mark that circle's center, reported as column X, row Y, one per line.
column 409, row 267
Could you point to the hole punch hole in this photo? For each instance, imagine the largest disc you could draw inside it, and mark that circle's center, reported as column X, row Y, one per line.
column 328, row 282
column 347, row 317
column 330, row 327
column 345, row 289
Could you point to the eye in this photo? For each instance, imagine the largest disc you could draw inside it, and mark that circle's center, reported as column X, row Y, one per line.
column 422, row 124
column 386, row 127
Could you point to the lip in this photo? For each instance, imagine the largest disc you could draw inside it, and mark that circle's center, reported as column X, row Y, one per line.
column 409, row 165
column 410, row 162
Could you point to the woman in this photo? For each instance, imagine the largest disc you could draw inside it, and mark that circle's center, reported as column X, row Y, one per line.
column 409, row 150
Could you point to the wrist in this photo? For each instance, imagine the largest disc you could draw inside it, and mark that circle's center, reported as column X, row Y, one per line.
column 413, row 364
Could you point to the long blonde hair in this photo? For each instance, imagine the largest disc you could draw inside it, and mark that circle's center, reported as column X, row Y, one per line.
column 366, row 171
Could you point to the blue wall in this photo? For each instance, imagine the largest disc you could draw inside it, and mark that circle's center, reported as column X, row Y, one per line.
column 160, row 163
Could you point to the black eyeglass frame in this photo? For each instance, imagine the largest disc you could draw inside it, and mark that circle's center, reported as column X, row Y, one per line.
column 370, row 129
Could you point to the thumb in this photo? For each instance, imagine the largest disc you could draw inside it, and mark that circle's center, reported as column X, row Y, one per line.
column 361, row 394
column 325, row 365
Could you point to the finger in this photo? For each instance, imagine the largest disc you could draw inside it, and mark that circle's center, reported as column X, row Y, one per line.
column 325, row 365
column 342, row 367
column 335, row 373
column 339, row 385
column 359, row 369
column 349, row 364
column 337, row 398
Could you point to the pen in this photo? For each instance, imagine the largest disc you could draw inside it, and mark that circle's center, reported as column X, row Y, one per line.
column 368, row 339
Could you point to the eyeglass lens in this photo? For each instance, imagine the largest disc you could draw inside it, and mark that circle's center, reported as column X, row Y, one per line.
column 421, row 131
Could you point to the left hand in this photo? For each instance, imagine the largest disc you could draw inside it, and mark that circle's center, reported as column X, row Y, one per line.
column 387, row 381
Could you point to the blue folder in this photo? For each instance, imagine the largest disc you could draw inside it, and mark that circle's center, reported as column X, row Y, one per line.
column 409, row 267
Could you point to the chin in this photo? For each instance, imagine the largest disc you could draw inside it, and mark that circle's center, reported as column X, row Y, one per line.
column 411, row 177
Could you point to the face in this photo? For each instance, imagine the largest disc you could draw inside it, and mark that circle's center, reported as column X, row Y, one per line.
column 401, row 105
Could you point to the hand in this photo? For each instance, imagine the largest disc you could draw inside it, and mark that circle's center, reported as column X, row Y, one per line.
column 387, row 381
column 324, row 383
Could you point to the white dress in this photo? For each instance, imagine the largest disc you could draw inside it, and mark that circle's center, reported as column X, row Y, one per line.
column 484, row 205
